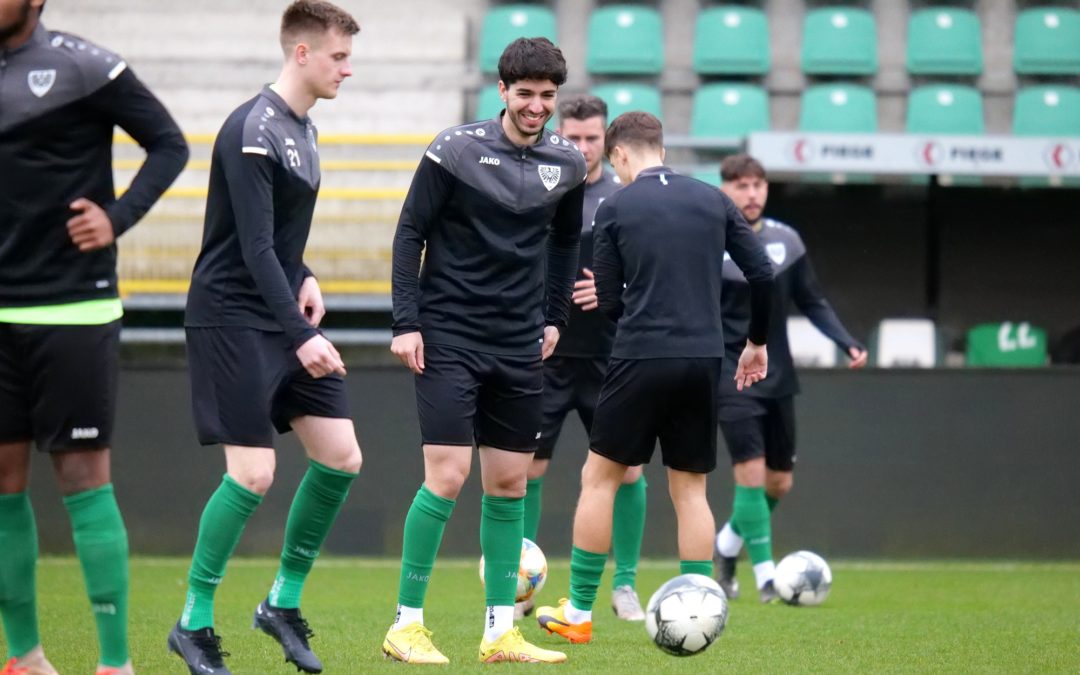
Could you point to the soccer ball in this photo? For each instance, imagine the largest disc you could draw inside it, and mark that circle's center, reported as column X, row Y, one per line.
column 803, row 578
column 532, row 572
column 686, row 615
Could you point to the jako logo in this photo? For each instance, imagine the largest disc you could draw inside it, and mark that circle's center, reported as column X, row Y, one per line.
column 493, row 161
column 84, row 432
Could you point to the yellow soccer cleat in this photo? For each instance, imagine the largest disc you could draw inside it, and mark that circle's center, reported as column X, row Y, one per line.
column 512, row 646
column 412, row 644
column 553, row 620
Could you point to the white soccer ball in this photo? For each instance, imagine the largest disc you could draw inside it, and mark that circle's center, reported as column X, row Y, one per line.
column 803, row 578
column 532, row 571
column 686, row 615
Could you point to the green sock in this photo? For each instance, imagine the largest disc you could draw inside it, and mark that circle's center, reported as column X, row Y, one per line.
column 220, row 527
column 586, row 568
column 102, row 546
column 627, row 531
column 501, row 523
column 751, row 512
column 18, row 588
column 424, row 527
column 696, row 567
column 771, row 501
column 534, row 495
column 314, row 510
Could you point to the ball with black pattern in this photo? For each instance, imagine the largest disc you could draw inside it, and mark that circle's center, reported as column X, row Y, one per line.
column 686, row 615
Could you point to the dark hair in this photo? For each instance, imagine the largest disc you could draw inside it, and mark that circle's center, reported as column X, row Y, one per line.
column 314, row 16
column 532, row 59
column 635, row 129
column 739, row 166
column 583, row 107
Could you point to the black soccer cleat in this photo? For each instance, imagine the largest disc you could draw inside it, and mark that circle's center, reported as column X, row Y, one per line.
column 292, row 633
column 200, row 649
column 725, row 576
column 768, row 593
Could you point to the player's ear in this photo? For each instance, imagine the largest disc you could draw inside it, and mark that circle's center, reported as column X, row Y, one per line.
column 302, row 52
column 504, row 91
column 663, row 153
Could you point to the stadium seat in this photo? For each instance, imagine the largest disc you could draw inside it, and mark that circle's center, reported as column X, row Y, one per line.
column 488, row 103
column 809, row 348
column 1002, row 345
column 1047, row 41
column 839, row 41
column 905, row 343
column 838, row 108
column 506, row 23
column 729, row 110
column 625, row 39
column 731, row 40
column 709, row 175
column 1047, row 111
column 945, row 109
column 624, row 97
column 944, row 41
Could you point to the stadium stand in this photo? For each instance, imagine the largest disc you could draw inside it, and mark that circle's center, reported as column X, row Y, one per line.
column 488, row 103
column 625, row 40
column 944, row 41
column 504, row 24
column 809, row 348
column 838, row 108
column 839, row 41
column 731, row 40
column 945, row 109
column 623, row 97
column 905, row 343
column 725, row 110
column 1047, row 110
column 1047, row 41
column 1007, row 344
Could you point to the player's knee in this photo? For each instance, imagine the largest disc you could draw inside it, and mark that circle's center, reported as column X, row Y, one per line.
column 81, row 471
column 446, row 481
column 347, row 459
column 255, row 479
column 780, row 485
column 505, row 486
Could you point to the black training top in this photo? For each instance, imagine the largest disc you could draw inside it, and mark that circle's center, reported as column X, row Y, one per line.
column 657, row 242
column 795, row 282
column 487, row 211
column 60, row 98
column 589, row 334
column 264, row 178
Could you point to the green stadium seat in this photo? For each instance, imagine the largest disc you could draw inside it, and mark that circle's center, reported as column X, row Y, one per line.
column 506, row 23
column 944, row 41
column 838, row 108
column 1047, row 111
column 839, row 41
column 629, row 96
column 729, row 110
column 945, row 109
column 488, row 103
column 1047, row 41
column 624, row 40
column 710, row 175
column 731, row 40
column 1006, row 345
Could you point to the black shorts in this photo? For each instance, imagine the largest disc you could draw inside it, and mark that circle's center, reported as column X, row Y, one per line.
column 570, row 383
column 245, row 383
column 58, row 385
column 670, row 400
column 759, row 427
column 465, row 396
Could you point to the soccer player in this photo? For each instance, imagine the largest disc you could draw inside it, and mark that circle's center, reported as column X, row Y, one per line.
column 256, row 357
column 572, row 376
column 60, row 98
column 759, row 428
column 656, row 243
column 497, row 205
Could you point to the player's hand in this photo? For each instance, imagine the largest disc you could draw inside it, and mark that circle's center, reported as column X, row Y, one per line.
column 311, row 301
column 753, row 364
column 858, row 357
column 319, row 357
column 585, row 291
column 551, row 338
column 409, row 348
column 90, row 228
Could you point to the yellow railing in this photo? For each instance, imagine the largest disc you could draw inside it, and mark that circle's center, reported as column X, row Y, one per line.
column 326, row 164
column 129, row 287
column 121, row 138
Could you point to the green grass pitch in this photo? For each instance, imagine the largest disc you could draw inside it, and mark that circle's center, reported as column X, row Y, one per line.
column 880, row 617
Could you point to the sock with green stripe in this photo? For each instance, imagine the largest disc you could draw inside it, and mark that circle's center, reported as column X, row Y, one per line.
column 101, row 544
column 729, row 540
column 696, row 567
column 18, row 587
column 586, row 569
column 751, row 514
column 223, row 521
column 314, row 509
column 424, row 526
column 534, row 496
column 627, row 531
column 501, row 524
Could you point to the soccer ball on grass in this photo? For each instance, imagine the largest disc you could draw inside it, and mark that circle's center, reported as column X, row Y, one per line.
column 532, row 572
column 803, row 578
column 686, row 615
